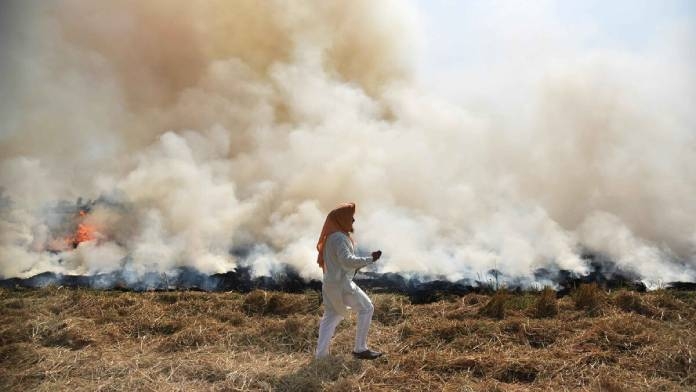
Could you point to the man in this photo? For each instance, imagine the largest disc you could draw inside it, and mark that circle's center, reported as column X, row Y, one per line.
column 338, row 260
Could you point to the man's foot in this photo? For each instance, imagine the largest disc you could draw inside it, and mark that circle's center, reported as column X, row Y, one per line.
column 367, row 354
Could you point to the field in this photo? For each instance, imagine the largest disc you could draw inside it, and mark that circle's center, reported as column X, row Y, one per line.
column 80, row 339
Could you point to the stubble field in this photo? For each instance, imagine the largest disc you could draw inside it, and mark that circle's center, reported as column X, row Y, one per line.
column 79, row 339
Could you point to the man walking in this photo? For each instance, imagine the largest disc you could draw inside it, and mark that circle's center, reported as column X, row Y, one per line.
column 338, row 260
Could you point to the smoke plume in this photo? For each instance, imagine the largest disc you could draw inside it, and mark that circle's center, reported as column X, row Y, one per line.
column 216, row 134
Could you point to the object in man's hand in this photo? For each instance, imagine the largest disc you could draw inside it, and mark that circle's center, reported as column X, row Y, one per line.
column 376, row 255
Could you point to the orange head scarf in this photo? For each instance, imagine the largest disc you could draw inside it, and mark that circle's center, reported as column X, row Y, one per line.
column 340, row 219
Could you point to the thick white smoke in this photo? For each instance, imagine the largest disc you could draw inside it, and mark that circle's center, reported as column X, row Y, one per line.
column 217, row 126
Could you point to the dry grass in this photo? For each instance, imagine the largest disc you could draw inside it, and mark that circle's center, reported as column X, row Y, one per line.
column 546, row 305
column 495, row 307
column 630, row 301
column 589, row 297
column 57, row 339
column 260, row 302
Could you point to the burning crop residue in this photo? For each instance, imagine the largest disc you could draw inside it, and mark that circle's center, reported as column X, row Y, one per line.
column 79, row 227
column 208, row 128
column 71, row 226
column 168, row 155
column 83, row 233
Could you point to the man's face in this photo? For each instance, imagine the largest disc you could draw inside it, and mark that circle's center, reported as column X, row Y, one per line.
column 351, row 225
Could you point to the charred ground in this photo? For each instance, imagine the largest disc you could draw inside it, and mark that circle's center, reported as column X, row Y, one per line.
column 418, row 289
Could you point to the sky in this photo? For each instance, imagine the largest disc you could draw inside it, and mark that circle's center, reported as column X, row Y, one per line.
column 469, row 45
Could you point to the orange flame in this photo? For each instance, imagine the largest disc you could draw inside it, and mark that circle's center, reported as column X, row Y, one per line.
column 83, row 233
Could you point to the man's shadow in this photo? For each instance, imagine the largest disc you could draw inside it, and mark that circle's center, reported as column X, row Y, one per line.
column 317, row 371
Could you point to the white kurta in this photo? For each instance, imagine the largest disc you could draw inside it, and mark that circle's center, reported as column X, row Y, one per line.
column 340, row 262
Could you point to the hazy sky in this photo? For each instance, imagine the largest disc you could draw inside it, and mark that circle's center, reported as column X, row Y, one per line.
column 471, row 45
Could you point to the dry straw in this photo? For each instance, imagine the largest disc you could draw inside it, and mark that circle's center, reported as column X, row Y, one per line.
column 546, row 305
column 58, row 339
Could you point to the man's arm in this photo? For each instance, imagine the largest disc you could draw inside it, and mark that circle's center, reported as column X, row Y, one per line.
column 347, row 258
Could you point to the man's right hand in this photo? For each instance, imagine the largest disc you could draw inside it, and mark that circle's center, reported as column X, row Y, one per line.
column 376, row 255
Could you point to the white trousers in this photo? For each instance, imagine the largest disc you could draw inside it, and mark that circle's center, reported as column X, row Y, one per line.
column 359, row 302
